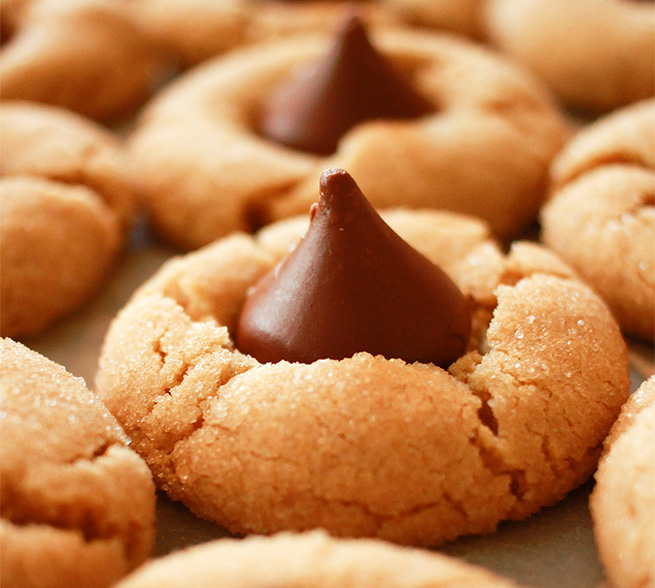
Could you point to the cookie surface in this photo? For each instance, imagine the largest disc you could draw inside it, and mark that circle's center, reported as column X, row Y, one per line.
column 309, row 560
column 600, row 217
column 84, row 55
column 623, row 500
column 67, row 202
column 366, row 446
column 78, row 505
column 205, row 171
column 561, row 41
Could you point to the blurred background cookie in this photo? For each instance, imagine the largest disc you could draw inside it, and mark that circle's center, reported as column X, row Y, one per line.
column 311, row 560
column 78, row 506
column 600, row 217
column 207, row 166
column 597, row 55
column 67, row 206
column 84, row 55
column 623, row 501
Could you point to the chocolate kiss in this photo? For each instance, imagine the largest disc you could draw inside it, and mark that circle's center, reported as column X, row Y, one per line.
column 352, row 284
column 351, row 84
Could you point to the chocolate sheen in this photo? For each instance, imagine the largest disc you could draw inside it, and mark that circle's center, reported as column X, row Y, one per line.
column 352, row 284
column 352, row 83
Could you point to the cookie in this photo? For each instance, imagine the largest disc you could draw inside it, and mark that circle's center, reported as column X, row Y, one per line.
column 600, row 217
column 84, row 55
column 367, row 446
column 67, row 203
column 462, row 17
column 78, row 505
column 205, row 170
column 562, row 41
column 192, row 31
column 309, row 560
column 623, row 500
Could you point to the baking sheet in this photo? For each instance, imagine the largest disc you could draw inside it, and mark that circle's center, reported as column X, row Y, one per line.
column 554, row 548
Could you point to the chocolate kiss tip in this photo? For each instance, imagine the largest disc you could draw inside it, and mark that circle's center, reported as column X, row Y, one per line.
column 352, row 284
column 335, row 179
column 349, row 85
column 337, row 186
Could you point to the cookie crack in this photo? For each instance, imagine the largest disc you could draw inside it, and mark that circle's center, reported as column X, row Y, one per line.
column 381, row 519
column 646, row 200
column 494, row 462
column 319, row 494
column 78, row 177
column 627, row 158
column 490, row 454
column 178, row 375
column 65, row 514
column 485, row 412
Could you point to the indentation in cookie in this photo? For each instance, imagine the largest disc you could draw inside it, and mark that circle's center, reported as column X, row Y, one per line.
column 351, row 84
column 352, row 284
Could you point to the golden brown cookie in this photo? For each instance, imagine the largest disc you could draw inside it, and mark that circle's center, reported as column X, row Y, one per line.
column 310, row 560
column 623, row 500
column 78, row 505
column 601, row 214
column 205, row 170
column 596, row 54
column 458, row 16
column 365, row 446
column 85, row 55
column 67, row 202
column 195, row 30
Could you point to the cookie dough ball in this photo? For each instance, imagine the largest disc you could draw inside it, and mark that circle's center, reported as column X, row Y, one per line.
column 601, row 214
column 596, row 54
column 84, row 55
column 623, row 501
column 78, row 505
column 205, row 170
column 67, row 203
column 366, row 446
column 311, row 560
column 192, row 31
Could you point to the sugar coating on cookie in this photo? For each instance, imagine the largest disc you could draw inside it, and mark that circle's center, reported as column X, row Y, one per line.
column 367, row 446
column 78, row 505
column 85, row 55
column 623, row 500
column 311, row 560
column 597, row 55
column 67, row 204
column 205, row 171
column 600, row 216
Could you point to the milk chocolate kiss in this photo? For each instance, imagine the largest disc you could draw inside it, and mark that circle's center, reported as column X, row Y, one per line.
column 352, row 83
column 352, row 284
